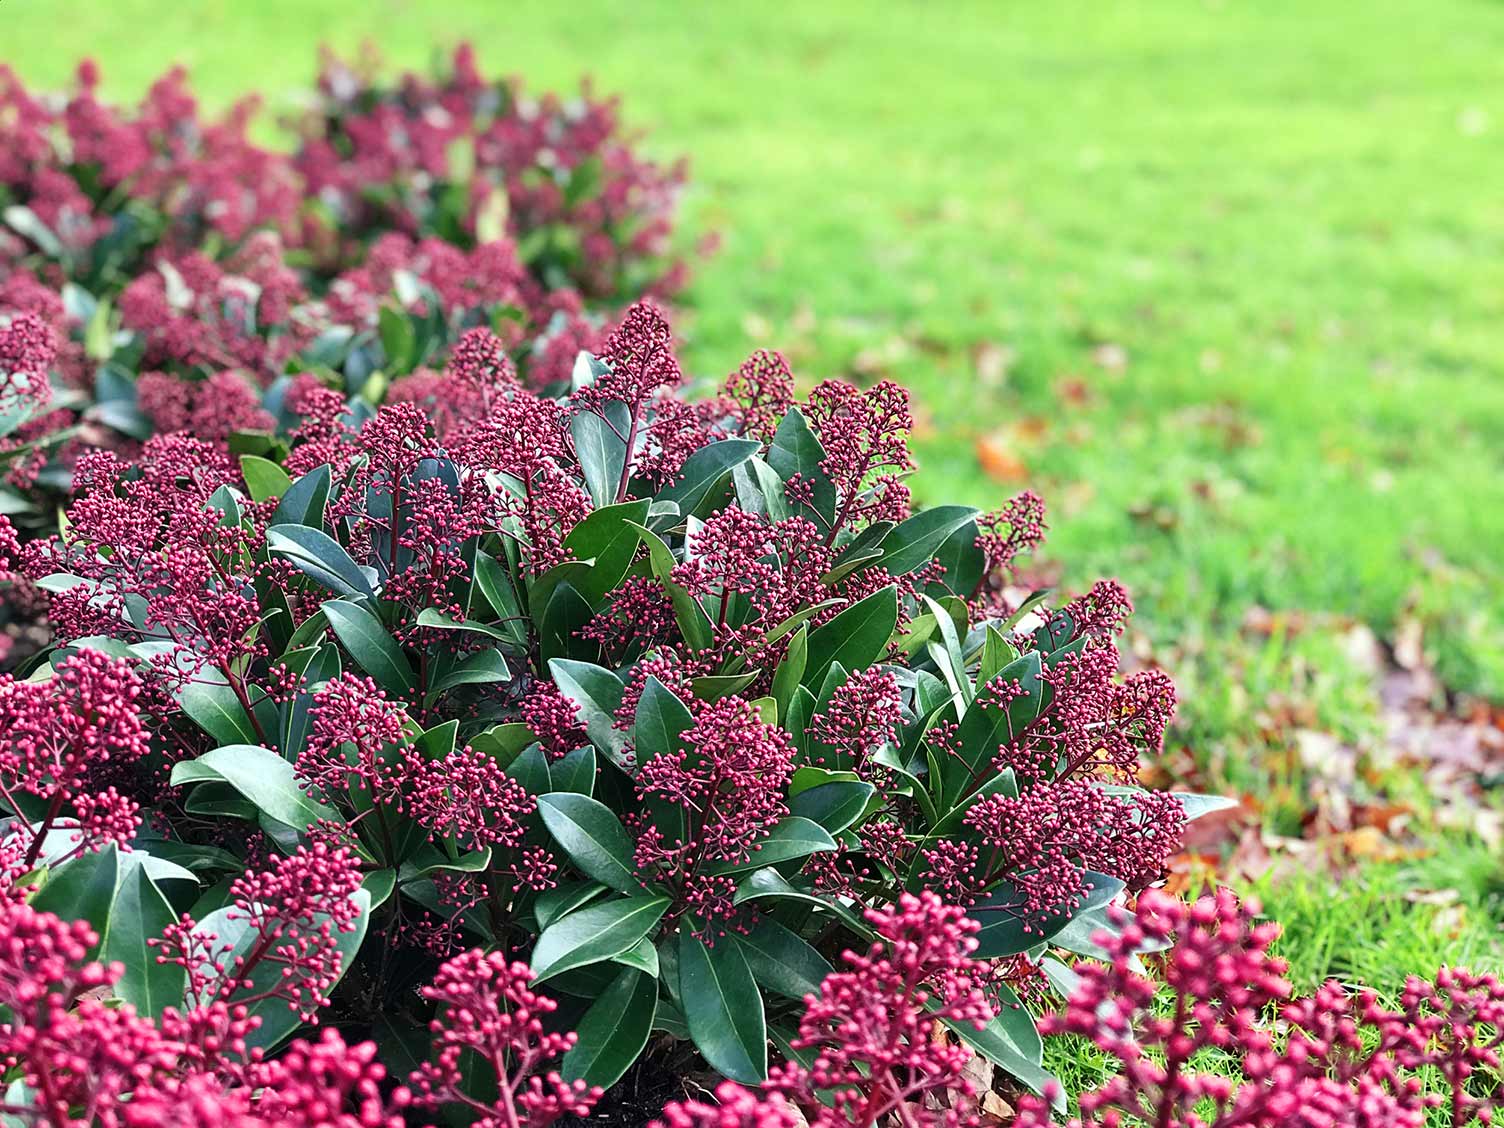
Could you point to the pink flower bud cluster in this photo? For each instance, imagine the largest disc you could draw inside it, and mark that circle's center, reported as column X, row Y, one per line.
column 863, row 714
column 70, row 160
column 158, row 563
column 865, row 436
column 1045, row 840
column 1231, row 1047
column 293, row 914
column 726, row 787
column 66, row 743
column 83, row 1060
column 872, row 1036
column 28, row 347
column 487, row 1010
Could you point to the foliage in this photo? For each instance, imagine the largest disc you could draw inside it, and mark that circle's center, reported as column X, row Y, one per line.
column 226, row 350
column 185, row 273
column 91, row 190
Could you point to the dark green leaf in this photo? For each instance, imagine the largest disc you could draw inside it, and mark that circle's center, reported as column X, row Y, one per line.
column 792, row 837
column 303, row 503
column 1011, row 1043
column 565, row 898
column 661, row 720
column 602, row 454
column 597, row 933
column 856, row 638
column 374, row 649
column 613, row 1031
column 530, row 768
column 575, row 772
column 592, row 836
column 782, row 961
column 916, row 541
column 834, row 805
column 82, row 889
column 140, row 913
column 433, row 617
column 319, row 557
column 609, row 536
column 214, row 707
column 705, row 474
column 560, row 623
column 723, row 1009
column 262, row 776
column 596, row 694
column 484, row 667
column 796, row 450
column 1005, row 934
column 790, row 672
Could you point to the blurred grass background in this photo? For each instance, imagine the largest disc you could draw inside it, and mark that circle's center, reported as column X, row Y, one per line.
column 1222, row 281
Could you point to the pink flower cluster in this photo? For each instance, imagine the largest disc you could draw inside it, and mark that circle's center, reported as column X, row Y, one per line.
column 725, row 791
column 293, row 914
column 1333, row 1058
column 488, row 1012
column 81, row 1061
column 71, row 161
column 871, row 1038
column 69, row 741
column 465, row 159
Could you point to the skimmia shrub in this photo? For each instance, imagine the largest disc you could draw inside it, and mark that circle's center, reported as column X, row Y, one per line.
column 469, row 158
column 93, row 193
column 150, row 240
column 90, row 190
column 228, row 350
column 663, row 705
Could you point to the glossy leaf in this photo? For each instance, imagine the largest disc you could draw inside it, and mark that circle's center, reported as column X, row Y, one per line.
column 783, row 962
column 140, row 913
column 303, row 503
column 319, row 557
column 791, row 837
column 263, row 477
column 916, row 541
column 213, row 706
column 613, row 1031
column 596, row 933
column 723, row 1009
column 262, row 776
column 82, row 889
column 371, row 646
column 856, row 638
column 593, row 837
column 596, row 694
column 706, row 472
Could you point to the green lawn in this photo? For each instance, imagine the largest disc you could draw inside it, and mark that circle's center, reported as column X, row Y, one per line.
column 1223, row 281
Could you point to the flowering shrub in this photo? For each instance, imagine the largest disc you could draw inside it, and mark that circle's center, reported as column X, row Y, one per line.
column 668, row 702
column 470, row 159
column 150, row 240
column 93, row 193
column 225, row 350
column 90, row 190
